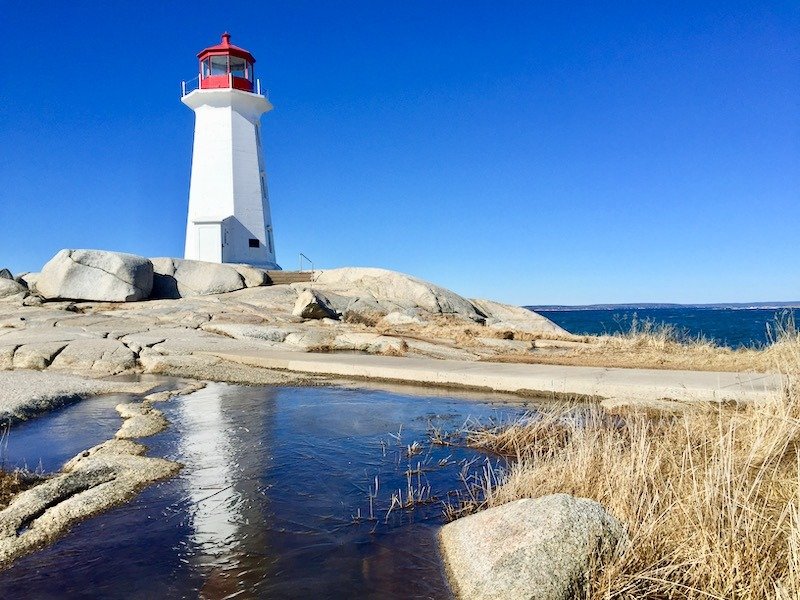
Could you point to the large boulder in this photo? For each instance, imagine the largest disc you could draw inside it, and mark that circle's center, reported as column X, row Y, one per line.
column 540, row 548
column 6, row 274
column 516, row 318
column 392, row 291
column 177, row 278
column 311, row 304
column 96, row 275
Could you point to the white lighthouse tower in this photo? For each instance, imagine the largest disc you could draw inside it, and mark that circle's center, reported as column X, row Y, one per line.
column 229, row 218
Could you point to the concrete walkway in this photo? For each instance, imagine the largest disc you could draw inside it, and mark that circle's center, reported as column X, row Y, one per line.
column 640, row 384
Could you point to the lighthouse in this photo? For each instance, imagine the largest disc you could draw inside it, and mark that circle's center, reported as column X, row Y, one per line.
column 229, row 216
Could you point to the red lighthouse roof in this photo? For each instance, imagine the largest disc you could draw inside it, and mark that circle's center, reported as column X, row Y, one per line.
column 226, row 48
column 226, row 66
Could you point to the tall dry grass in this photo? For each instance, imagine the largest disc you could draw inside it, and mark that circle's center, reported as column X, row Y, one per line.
column 711, row 500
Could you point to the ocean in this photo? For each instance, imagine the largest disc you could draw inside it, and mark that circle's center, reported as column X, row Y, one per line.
column 733, row 327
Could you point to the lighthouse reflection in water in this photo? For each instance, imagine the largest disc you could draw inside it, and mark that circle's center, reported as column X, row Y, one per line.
column 265, row 503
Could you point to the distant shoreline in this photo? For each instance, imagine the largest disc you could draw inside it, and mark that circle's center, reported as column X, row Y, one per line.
column 656, row 305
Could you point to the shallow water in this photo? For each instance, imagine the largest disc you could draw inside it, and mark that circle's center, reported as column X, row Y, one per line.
column 70, row 430
column 265, row 504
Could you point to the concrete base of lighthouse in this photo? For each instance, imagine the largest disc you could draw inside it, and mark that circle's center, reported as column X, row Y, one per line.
column 229, row 215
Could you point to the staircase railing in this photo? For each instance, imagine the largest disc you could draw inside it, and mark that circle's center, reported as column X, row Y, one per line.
column 310, row 262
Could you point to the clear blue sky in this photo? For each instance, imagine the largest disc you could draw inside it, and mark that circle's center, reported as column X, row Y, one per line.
column 529, row 152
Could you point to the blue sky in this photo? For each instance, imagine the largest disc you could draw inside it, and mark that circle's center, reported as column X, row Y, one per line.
column 528, row 152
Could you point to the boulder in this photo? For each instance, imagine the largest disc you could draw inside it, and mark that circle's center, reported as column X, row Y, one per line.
column 393, row 291
column 310, row 341
column 540, row 548
column 96, row 275
column 252, row 276
column 313, row 305
column 28, row 280
column 10, row 288
column 516, row 318
column 177, row 278
column 6, row 274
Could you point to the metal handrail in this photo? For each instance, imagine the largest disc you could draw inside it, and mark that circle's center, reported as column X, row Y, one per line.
column 189, row 85
column 310, row 262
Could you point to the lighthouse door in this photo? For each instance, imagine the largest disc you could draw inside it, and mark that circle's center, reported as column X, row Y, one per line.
column 209, row 241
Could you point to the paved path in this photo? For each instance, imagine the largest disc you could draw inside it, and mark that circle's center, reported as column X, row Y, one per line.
column 641, row 384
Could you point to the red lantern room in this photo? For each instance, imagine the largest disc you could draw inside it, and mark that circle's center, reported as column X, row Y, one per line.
column 226, row 66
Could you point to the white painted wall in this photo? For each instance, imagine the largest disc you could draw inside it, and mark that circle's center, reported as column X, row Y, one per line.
column 227, row 175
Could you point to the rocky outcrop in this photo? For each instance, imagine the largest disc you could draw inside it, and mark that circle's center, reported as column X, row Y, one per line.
column 6, row 274
column 311, row 304
column 385, row 291
column 176, row 278
column 103, row 356
column 10, row 289
column 28, row 280
column 516, row 318
column 96, row 275
column 141, row 420
column 539, row 549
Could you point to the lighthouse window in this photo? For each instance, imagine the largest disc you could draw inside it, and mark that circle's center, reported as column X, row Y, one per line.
column 237, row 67
column 254, row 243
column 219, row 65
column 206, row 68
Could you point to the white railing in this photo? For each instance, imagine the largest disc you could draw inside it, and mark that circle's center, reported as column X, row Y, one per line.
column 303, row 256
column 190, row 85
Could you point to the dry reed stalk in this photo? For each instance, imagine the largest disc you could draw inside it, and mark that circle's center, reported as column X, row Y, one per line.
column 14, row 482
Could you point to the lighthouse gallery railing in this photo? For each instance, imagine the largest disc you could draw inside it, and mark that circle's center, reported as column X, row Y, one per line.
column 190, row 85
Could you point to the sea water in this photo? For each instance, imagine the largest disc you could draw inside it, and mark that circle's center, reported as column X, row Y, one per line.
column 733, row 327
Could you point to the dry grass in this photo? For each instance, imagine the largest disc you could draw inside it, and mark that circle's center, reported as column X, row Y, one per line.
column 645, row 345
column 712, row 501
column 14, row 482
column 460, row 332
column 648, row 345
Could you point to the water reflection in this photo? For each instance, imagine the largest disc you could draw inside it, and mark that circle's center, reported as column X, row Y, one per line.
column 223, row 443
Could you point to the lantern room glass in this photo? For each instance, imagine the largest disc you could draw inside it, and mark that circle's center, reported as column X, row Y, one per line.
column 215, row 66
column 238, row 66
column 219, row 65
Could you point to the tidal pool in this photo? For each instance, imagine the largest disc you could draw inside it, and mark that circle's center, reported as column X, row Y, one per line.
column 285, row 493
